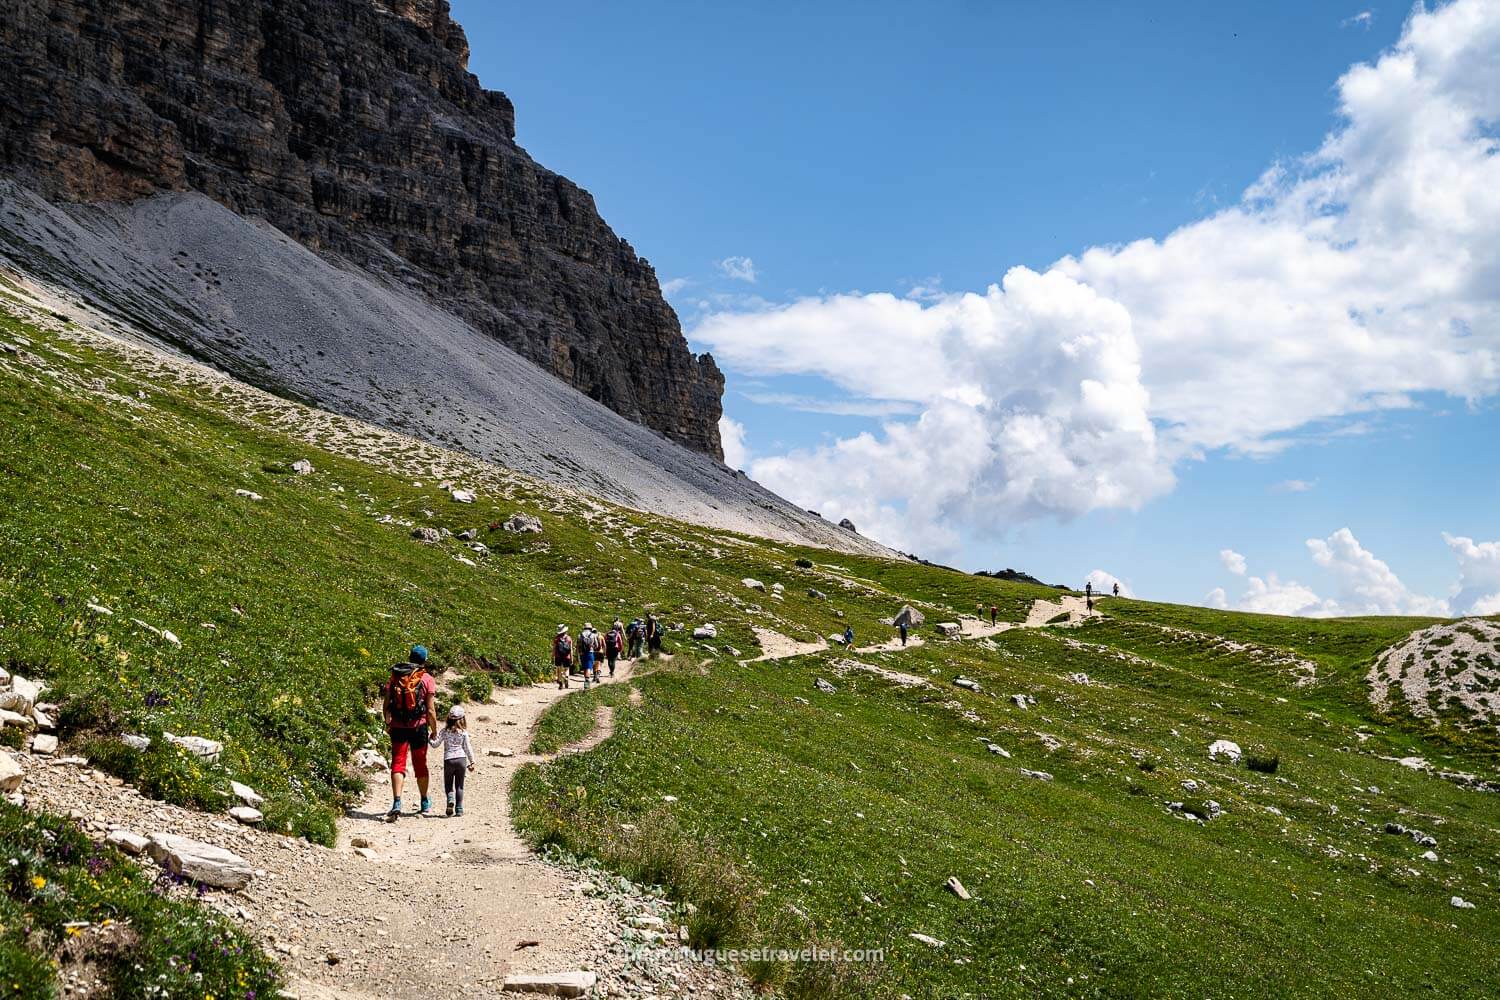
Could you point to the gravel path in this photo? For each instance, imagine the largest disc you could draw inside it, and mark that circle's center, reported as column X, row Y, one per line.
column 424, row 907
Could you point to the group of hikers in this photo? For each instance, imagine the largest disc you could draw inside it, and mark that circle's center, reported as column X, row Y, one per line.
column 410, row 696
column 593, row 647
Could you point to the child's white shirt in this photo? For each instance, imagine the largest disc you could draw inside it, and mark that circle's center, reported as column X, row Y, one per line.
column 456, row 745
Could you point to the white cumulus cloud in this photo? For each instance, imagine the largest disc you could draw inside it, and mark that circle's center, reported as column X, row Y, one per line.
column 1366, row 584
column 732, row 434
column 1233, row 561
column 1478, row 589
column 1341, row 284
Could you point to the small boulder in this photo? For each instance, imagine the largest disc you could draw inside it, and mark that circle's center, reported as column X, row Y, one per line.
column 462, row 496
column 135, row 742
column 523, row 524
column 44, row 745
column 1038, row 775
column 302, row 467
column 706, row 632
column 816, row 594
column 246, row 794
column 996, row 748
column 248, row 815
column 468, row 535
column 127, row 841
column 956, row 887
column 1019, row 700
column 11, row 774
column 848, row 525
column 1227, row 749
column 369, row 760
column 199, row 746
column 926, row 939
column 1459, row 903
column 751, row 583
column 430, row 536
column 824, row 686
column 949, row 630
column 967, row 683
column 200, row 862
column 248, row 494
column 499, row 752
column 9, row 718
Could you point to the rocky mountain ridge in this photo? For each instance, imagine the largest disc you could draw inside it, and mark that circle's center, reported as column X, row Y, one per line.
column 354, row 127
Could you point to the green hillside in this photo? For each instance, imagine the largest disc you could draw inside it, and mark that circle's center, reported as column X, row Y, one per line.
column 787, row 815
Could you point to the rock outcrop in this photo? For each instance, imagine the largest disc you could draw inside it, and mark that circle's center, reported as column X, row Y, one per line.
column 354, row 127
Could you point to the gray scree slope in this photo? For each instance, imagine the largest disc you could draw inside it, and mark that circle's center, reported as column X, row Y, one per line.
column 182, row 271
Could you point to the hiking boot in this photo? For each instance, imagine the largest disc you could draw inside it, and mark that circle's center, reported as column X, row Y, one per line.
column 450, row 806
column 395, row 811
column 459, row 810
column 426, row 807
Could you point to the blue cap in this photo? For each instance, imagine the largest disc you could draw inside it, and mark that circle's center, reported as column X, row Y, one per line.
column 419, row 654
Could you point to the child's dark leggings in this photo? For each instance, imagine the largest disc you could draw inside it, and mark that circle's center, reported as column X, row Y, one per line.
column 453, row 779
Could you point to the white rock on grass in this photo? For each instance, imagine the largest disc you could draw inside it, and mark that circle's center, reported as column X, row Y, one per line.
column 128, row 841
column 525, row 524
column 248, row 494
column 248, row 815
column 135, row 742
column 1038, row 775
column 968, row 683
column 824, row 686
column 926, row 939
column 302, row 467
column 200, row 862
column 956, row 887
column 11, row 774
column 1459, row 903
column 199, row 746
column 1224, row 748
column 370, row 760
column 706, row 632
column 45, row 745
column 751, row 583
column 99, row 609
column 246, row 794
column 462, row 496
column 997, row 749
column 553, row 984
column 171, row 637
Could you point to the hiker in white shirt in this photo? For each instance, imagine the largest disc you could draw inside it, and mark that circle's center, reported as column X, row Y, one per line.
column 458, row 758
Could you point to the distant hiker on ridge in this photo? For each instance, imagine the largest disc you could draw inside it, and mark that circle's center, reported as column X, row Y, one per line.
column 902, row 629
column 409, row 718
column 1088, row 588
column 994, row 614
column 562, row 657
column 848, row 636
column 1117, row 588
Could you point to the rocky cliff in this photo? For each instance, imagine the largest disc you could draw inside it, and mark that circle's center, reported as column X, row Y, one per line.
column 354, row 127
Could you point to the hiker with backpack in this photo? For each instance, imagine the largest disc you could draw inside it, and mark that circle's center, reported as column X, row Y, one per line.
column 409, row 718
column 653, row 635
column 901, row 627
column 588, row 652
column 1117, row 588
column 562, row 657
column 848, row 636
column 994, row 615
column 614, row 644
column 635, row 634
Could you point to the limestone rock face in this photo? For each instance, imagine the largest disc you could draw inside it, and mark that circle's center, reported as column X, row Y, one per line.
column 354, row 127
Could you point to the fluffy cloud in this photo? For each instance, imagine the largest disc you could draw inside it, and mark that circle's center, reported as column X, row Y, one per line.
column 1367, row 585
column 1341, row 284
column 1032, row 404
column 1104, row 583
column 738, row 268
column 732, row 434
column 1478, row 590
column 1233, row 561
column 1269, row 595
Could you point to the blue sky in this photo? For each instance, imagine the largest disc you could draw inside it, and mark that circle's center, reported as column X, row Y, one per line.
column 874, row 162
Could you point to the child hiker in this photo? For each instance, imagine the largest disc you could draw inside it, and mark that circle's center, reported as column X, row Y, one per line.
column 458, row 758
